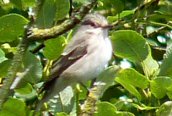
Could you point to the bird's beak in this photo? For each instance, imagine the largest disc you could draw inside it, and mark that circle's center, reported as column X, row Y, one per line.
column 107, row 26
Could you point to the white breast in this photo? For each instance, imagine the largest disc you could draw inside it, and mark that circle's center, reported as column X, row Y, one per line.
column 99, row 52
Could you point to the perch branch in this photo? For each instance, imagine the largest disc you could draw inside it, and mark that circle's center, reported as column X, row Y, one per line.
column 42, row 34
column 105, row 80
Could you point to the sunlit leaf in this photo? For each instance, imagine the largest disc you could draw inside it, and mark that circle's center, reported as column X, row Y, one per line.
column 129, row 44
column 150, row 66
column 26, row 92
column 105, row 109
column 132, row 46
column 159, row 86
column 62, row 114
column 120, row 16
column 119, row 113
column 23, row 4
column 165, row 109
column 131, row 76
column 2, row 56
column 130, row 79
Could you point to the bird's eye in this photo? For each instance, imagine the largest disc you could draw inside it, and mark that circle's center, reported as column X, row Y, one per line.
column 93, row 24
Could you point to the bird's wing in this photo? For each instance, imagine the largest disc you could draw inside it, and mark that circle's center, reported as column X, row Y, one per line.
column 67, row 60
column 70, row 56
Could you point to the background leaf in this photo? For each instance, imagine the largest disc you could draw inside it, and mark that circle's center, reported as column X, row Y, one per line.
column 4, row 66
column 131, row 76
column 13, row 107
column 130, row 79
column 54, row 47
column 159, row 86
column 11, row 27
column 166, row 66
column 34, row 67
column 105, row 108
column 129, row 44
column 62, row 9
column 2, row 56
column 46, row 14
column 31, row 71
column 165, row 109
column 132, row 46
column 63, row 102
column 26, row 92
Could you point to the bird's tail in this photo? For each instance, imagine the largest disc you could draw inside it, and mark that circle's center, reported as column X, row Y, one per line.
column 51, row 89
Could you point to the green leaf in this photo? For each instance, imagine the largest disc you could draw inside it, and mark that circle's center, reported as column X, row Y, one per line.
column 4, row 66
column 130, row 78
column 131, row 45
column 169, row 92
column 63, row 102
column 134, row 78
column 13, row 107
column 23, row 4
column 107, row 77
column 54, row 47
column 165, row 109
column 61, row 114
column 46, row 14
column 108, row 109
column 128, row 87
column 28, row 3
column 2, row 56
column 31, row 71
column 150, row 66
column 26, row 92
column 121, row 15
column 166, row 66
column 80, row 2
column 143, row 107
column 33, row 64
column 116, row 6
column 17, row 3
column 166, row 8
column 62, row 9
column 11, row 27
column 105, row 109
column 119, row 113
column 159, row 86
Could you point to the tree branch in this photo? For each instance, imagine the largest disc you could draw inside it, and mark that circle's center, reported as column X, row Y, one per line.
column 15, row 67
column 42, row 34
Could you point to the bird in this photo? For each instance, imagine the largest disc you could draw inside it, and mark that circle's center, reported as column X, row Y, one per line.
column 84, row 58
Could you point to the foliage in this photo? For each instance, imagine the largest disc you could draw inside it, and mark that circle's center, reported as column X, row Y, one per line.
column 142, row 37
